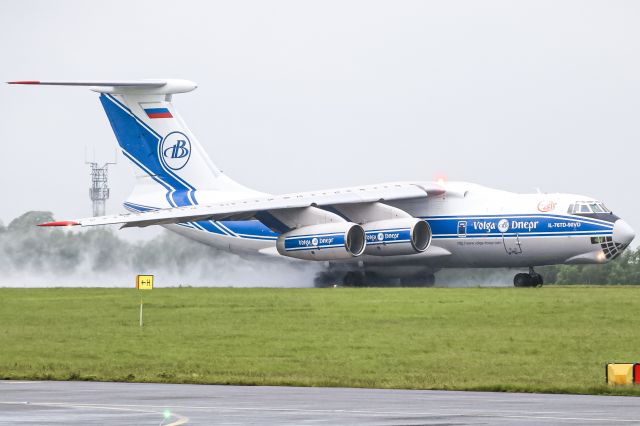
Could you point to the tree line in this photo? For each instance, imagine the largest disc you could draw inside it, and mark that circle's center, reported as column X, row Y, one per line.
column 625, row 269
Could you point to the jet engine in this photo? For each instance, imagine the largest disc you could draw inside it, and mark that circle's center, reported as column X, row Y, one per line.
column 397, row 236
column 329, row 241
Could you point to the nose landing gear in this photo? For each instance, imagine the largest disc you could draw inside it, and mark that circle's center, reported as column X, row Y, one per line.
column 532, row 279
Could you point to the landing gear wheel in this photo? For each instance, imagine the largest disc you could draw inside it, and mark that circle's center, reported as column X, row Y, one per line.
column 536, row 280
column 353, row 279
column 327, row 279
column 532, row 279
column 522, row 280
column 371, row 279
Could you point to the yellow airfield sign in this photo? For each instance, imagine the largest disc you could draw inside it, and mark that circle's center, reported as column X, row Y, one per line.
column 144, row 282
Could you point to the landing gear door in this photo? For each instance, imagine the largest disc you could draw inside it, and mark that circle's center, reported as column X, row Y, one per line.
column 510, row 240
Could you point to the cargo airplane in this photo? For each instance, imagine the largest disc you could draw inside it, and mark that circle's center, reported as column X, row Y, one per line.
column 365, row 234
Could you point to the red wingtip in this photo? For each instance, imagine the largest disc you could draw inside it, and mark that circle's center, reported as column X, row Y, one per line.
column 61, row 223
column 24, row 82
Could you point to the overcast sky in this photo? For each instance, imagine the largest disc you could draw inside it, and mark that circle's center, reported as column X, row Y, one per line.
column 302, row 95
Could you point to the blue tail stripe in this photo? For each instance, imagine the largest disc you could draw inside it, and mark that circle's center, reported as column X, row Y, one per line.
column 141, row 145
column 153, row 132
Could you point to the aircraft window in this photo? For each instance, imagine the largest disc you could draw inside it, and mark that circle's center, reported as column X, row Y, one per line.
column 584, row 208
column 571, row 209
column 596, row 208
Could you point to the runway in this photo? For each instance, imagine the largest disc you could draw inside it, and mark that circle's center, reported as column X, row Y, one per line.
column 93, row 403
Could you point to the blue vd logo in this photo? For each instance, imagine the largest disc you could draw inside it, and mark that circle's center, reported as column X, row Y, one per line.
column 176, row 150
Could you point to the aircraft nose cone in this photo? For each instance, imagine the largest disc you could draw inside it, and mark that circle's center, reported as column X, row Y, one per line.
column 622, row 232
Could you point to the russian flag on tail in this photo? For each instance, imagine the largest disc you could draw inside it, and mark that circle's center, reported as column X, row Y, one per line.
column 158, row 113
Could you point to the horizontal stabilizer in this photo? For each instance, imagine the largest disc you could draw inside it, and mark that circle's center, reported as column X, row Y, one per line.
column 139, row 83
column 151, row 87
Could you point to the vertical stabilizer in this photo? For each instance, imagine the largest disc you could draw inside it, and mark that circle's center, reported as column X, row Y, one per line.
column 172, row 169
column 167, row 156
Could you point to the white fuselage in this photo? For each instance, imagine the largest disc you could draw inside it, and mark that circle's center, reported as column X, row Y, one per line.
column 472, row 226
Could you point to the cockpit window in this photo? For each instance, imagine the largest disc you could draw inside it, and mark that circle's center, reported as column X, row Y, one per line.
column 587, row 207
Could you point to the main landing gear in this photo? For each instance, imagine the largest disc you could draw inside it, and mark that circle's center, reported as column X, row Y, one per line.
column 357, row 278
column 371, row 279
column 532, row 279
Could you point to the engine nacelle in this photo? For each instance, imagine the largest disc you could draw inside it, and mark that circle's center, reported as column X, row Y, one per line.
column 329, row 241
column 397, row 236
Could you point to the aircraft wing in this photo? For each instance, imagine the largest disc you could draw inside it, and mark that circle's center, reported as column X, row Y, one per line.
column 241, row 209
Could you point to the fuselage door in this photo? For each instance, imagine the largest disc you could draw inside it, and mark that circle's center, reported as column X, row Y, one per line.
column 512, row 244
column 510, row 240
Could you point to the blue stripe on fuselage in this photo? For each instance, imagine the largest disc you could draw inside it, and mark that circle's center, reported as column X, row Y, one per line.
column 511, row 225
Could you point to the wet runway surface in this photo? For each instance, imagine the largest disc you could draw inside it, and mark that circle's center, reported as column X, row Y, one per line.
column 91, row 403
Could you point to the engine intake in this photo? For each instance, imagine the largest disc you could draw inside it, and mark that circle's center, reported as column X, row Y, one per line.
column 395, row 237
column 330, row 241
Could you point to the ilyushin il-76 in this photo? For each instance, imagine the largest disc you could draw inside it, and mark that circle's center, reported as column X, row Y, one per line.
column 363, row 234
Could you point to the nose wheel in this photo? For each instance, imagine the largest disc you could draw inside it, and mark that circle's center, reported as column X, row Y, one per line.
column 532, row 279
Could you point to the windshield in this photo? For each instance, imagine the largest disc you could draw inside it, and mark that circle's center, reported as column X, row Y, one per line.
column 588, row 207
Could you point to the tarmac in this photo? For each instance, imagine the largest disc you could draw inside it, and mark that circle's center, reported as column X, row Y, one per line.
column 95, row 403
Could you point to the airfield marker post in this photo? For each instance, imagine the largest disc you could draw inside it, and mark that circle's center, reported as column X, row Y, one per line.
column 143, row 282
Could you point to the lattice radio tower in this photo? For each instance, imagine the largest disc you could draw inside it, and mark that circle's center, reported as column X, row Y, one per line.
column 99, row 191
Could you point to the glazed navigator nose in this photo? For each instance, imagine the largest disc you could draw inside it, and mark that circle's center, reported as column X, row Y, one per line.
column 622, row 233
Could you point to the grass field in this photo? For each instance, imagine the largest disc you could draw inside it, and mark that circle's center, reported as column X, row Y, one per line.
column 554, row 339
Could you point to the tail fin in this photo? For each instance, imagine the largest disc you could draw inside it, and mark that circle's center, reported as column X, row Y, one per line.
column 172, row 168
